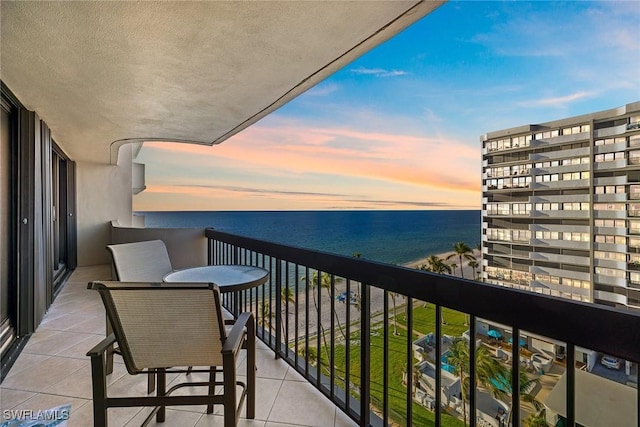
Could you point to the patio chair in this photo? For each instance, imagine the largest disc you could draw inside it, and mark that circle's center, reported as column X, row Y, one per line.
column 162, row 326
column 146, row 261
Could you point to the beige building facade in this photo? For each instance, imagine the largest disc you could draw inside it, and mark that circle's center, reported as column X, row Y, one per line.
column 561, row 207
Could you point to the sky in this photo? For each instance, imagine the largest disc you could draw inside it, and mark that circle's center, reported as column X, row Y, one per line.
column 400, row 127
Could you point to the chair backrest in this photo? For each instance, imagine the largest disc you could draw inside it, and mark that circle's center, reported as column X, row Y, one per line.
column 161, row 325
column 141, row 261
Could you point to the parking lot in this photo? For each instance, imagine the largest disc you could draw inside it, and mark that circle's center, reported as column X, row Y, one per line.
column 617, row 375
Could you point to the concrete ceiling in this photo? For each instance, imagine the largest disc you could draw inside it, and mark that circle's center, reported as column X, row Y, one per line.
column 104, row 73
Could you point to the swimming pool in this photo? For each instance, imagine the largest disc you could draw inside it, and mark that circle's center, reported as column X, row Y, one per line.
column 444, row 362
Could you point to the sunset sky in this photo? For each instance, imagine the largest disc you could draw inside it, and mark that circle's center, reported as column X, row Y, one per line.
column 399, row 128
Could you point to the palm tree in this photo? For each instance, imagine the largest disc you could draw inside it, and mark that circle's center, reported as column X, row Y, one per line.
column 474, row 265
column 453, row 267
column 487, row 369
column 314, row 284
column 536, row 420
column 435, row 264
column 327, row 284
column 416, row 376
column 393, row 296
column 461, row 249
column 267, row 319
column 286, row 297
column 527, row 385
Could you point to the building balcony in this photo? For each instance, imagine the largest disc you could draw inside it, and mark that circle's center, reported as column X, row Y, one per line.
column 351, row 317
column 613, row 164
column 610, row 131
column 560, row 259
column 555, row 185
column 603, row 198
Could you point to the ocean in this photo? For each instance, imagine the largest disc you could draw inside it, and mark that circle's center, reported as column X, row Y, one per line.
column 395, row 237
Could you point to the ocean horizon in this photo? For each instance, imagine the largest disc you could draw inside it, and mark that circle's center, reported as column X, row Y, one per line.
column 396, row 237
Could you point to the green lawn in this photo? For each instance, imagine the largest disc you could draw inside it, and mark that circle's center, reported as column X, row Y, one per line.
column 424, row 319
column 423, row 322
column 397, row 392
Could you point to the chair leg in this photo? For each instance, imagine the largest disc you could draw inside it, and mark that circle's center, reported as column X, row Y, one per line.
column 161, row 392
column 151, row 382
column 99, row 380
column 229, row 398
column 212, row 387
column 251, row 371
column 110, row 350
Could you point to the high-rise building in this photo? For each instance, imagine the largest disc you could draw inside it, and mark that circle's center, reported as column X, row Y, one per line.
column 561, row 207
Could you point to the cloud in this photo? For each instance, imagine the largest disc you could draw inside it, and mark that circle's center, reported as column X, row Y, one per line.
column 338, row 151
column 559, row 101
column 238, row 189
column 322, row 89
column 333, row 200
column 378, row 72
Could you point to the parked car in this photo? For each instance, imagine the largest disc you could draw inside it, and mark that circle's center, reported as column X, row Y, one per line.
column 611, row 362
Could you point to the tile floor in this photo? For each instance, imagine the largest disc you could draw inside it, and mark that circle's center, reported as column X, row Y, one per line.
column 53, row 369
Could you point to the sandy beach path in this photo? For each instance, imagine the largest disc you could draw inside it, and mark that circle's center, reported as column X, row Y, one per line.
column 340, row 316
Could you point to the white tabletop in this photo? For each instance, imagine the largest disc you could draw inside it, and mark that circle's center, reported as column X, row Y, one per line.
column 229, row 278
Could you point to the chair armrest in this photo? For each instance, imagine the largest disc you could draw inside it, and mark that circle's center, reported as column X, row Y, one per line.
column 102, row 346
column 236, row 336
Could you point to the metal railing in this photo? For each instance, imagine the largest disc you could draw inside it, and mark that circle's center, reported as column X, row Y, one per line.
column 335, row 319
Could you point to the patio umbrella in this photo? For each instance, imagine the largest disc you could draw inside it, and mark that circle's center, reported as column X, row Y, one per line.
column 494, row 334
column 521, row 341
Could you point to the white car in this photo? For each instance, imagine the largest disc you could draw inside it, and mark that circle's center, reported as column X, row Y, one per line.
column 611, row 362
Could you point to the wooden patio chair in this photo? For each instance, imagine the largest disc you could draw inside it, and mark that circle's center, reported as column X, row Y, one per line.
column 162, row 326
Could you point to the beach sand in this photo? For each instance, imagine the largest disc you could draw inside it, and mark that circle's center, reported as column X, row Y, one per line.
column 324, row 300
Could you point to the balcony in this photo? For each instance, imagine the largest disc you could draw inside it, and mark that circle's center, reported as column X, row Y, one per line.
column 351, row 317
column 53, row 370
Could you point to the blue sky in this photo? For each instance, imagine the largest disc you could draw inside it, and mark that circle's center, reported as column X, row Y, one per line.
column 399, row 127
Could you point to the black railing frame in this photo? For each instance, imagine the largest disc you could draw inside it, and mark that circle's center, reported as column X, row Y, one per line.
column 599, row 328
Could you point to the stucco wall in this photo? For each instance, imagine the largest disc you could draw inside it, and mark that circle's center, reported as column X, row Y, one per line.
column 104, row 194
column 187, row 247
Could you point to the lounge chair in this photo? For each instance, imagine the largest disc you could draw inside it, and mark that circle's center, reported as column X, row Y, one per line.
column 160, row 326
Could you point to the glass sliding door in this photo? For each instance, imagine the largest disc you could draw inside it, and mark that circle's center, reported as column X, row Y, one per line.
column 60, row 211
column 7, row 240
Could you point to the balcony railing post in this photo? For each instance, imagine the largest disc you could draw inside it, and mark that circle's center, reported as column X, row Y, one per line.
column 515, row 376
column 472, row 371
column 570, row 378
column 438, row 395
column 385, row 362
column 332, row 353
column 277, row 308
column 365, row 356
column 410, row 385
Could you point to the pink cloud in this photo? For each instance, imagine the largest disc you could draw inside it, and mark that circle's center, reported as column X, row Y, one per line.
column 429, row 162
